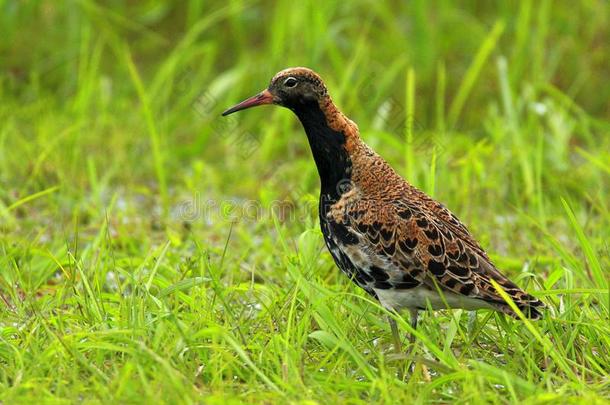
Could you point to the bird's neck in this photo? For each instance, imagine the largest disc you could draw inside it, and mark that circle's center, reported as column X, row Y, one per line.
column 328, row 141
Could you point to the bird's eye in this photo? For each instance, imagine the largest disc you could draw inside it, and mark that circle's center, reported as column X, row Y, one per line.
column 290, row 82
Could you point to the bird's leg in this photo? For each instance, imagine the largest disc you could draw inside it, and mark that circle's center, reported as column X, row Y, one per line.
column 409, row 367
column 412, row 367
column 395, row 335
column 397, row 345
column 411, row 337
column 414, row 315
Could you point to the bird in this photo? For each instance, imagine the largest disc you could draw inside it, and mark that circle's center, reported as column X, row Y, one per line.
column 401, row 246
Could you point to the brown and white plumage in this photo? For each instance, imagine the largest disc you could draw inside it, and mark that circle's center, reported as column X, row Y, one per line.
column 394, row 241
column 402, row 239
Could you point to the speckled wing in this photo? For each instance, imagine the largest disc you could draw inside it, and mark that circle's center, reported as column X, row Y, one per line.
column 430, row 246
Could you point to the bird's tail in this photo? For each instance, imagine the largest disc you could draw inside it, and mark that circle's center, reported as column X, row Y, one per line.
column 532, row 309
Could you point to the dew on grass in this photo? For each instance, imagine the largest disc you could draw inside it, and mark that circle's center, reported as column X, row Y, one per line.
column 121, row 203
column 506, row 219
column 255, row 306
column 199, row 370
column 539, row 108
column 112, row 281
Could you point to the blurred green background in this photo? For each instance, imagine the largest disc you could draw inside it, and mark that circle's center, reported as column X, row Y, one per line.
column 140, row 257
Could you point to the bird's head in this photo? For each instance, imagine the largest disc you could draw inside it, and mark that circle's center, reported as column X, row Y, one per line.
column 291, row 88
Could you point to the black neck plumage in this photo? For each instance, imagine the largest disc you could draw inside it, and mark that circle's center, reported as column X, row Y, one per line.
column 328, row 149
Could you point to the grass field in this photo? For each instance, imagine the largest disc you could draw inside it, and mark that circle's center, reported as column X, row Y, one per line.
column 152, row 250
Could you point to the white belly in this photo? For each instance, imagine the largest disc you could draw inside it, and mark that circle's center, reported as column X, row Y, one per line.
column 421, row 297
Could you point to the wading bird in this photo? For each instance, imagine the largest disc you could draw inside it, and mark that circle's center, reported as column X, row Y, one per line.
column 394, row 241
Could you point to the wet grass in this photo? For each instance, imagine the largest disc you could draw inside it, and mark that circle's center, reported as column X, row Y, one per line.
column 151, row 250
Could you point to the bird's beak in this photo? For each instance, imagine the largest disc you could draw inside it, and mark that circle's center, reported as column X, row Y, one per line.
column 264, row 97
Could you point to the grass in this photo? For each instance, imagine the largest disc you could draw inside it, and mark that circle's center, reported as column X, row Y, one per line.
column 151, row 250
